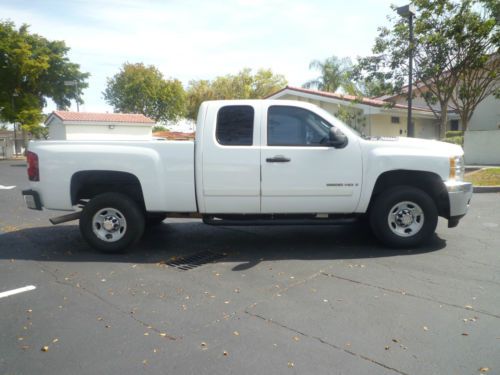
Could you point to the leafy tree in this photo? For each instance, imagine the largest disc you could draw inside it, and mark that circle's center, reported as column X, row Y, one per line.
column 450, row 39
column 243, row 85
column 197, row 93
column 142, row 89
column 33, row 69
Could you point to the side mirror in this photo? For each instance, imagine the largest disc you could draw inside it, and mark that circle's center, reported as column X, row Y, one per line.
column 337, row 139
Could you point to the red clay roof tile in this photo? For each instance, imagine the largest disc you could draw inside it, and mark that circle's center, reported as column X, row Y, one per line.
column 103, row 117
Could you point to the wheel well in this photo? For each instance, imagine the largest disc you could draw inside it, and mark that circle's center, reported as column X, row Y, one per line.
column 88, row 184
column 429, row 182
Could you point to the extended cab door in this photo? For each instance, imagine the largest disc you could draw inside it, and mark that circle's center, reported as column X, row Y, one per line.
column 228, row 157
column 300, row 172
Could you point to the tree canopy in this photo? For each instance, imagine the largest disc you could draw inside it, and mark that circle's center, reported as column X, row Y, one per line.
column 138, row 88
column 243, row 85
column 451, row 39
column 32, row 69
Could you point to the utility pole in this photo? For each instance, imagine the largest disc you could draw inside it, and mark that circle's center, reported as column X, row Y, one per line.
column 14, row 94
column 408, row 11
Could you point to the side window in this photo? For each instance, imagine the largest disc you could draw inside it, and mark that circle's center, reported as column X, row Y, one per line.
column 235, row 125
column 293, row 126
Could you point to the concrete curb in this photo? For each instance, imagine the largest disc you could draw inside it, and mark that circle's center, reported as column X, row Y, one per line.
column 486, row 189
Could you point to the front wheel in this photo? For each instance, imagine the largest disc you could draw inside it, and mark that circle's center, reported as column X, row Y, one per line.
column 111, row 222
column 403, row 216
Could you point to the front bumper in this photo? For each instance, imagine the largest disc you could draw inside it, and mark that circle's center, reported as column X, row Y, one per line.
column 459, row 194
column 32, row 199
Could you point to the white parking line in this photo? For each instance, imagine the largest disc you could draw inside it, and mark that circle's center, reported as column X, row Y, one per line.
column 2, row 187
column 17, row 291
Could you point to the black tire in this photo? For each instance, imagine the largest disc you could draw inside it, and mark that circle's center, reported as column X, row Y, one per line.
column 406, row 203
column 129, row 225
column 154, row 219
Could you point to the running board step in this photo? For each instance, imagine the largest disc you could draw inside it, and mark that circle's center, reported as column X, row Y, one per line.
column 211, row 220
column 65, row 218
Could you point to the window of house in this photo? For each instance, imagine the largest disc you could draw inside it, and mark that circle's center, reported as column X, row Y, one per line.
column 394, row 120
column 235, row 125
column 293, row 126
column 454, row 125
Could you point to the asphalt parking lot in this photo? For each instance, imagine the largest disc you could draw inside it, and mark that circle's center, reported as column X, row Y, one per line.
column 279, row 300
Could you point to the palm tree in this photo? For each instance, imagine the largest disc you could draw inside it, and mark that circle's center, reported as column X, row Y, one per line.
column 335, row 74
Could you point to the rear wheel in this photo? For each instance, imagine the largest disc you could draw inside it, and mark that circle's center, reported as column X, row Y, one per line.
column 111, row 222
column 403, row 216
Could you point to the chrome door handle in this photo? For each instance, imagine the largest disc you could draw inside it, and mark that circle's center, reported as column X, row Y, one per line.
column 278, row 159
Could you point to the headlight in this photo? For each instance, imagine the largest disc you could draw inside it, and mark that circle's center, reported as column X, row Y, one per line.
column 457, row 168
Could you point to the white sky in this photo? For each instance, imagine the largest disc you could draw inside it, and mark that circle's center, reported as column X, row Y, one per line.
column 201, row 39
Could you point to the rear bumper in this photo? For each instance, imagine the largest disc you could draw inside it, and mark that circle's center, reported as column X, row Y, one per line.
column 32, row 199
column 459, row 194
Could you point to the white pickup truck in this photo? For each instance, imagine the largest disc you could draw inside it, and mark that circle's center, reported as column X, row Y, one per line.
column 252, row 162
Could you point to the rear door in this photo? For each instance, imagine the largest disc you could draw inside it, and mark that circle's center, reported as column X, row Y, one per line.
column 231, row 158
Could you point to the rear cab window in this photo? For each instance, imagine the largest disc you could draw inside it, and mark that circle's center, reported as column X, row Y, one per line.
column 235, row 125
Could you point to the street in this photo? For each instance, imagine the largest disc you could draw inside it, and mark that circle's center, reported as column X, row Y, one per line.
column 257, row 300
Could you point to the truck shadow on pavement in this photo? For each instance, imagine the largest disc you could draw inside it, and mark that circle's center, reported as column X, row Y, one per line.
column 244, row 246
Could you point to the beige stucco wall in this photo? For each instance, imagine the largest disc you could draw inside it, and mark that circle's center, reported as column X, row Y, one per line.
column 487, row 115
column 56, row 129
column 103, row 132
column 482, row 147
column 381, row 126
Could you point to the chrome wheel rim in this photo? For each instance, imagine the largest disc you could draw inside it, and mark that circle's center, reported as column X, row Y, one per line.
column 109, row 224
column 406, row 219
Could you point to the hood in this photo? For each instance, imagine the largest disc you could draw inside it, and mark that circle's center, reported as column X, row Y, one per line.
column 433, row 146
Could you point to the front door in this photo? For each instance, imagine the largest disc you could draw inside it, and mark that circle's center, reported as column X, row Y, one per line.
column 300, row 172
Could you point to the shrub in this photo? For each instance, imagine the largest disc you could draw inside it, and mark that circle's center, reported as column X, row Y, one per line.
column 456, row 140
column 454, row 133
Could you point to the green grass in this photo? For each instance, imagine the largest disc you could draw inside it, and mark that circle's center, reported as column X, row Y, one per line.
column 484, row 177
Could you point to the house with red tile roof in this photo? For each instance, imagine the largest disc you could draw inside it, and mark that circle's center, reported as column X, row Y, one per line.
column 374, row 117
column 98, row 126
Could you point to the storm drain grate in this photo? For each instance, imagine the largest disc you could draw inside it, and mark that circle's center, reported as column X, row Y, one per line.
column 194, row 261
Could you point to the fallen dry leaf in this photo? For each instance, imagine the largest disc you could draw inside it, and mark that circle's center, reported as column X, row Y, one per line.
column 225, row 353
column 465, row 334
column 29, row 311
column 146, row 333
column 236, row 333
column 484, row 369
column 395, row 340
column 291, row 364
column 387, row 347
column 55, row 340
column 296, row 338
column 468, row 307
column 100, row 318
column 425, row 328
column 25, row 347
column 45, row 348
column 203, row 346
